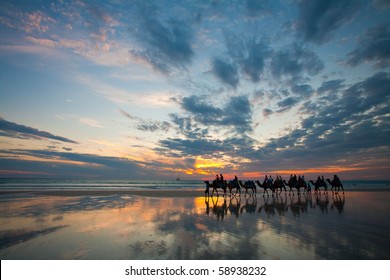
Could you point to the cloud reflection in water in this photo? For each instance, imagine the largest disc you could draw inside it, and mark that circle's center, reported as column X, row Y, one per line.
column 246, row 227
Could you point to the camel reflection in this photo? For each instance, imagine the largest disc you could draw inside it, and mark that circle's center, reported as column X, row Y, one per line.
column 219, row 210
column 302, row 203
column 268, row 207
column 322, row 201
column 338, row 202
column 234, row 206
column 250, row 205
column 299, row 205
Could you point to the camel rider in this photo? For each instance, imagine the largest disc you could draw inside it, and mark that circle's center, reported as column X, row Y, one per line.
column 270, row 180
column 336, row 179
column 235, row 182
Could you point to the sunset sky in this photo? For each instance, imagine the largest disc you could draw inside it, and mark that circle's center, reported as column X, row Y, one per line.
column 167, row 89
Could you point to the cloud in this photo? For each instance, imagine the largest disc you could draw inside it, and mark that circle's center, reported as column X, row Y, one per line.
column 153, row 126
column 15, row 130
column 253, row 62
column 77, row 164
column 331, row 86
column 234, row 118
column 351, row 130
column 249, row 55
column 190, row 147
column 165, row 44
column 91, row 122
column 373, row 46
column 236, row 113
column 294, row 62
column 226, row 72
column 200, row 108
column 288, row 102
column 257, row 7
column 303, row 90
column 43, row 42
column 267, row 112
column 318, row 19
column 147, row 125
column 188, row 127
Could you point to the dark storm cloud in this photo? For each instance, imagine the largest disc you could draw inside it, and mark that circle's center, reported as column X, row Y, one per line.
column 373, row 46
column 15, row 130
column 294, row 62
column 225, row 71
column 318, row 19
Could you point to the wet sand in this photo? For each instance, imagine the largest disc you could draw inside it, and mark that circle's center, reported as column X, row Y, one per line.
column 177, row 224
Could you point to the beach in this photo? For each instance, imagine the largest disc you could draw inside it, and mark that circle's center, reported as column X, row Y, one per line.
column 184, row 224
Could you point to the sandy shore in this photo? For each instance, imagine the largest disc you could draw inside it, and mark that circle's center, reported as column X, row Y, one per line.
column 183, row 224
column 144, row 192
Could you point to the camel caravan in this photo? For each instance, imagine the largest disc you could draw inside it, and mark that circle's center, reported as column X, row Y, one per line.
column 276, row 186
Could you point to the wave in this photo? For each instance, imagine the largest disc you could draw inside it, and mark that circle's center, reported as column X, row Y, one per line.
column 82, row 184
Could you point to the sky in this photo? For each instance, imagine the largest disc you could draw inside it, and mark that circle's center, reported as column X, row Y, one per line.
column 187, row 89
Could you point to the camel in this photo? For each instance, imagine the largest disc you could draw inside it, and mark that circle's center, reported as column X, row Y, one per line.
column 336, row 184
column 295, row 185
column 319, row 184
column 265, row 186
column 215, row 186
column 248, row 185
column 234, row 185
column 279, row 184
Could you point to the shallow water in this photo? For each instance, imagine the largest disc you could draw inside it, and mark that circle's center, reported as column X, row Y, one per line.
column 350, row 226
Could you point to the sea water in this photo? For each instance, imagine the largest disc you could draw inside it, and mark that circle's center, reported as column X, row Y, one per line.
column 112, row 184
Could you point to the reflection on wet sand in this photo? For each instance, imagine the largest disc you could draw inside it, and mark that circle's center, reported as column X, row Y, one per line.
column 317, row 226
column 220, row 206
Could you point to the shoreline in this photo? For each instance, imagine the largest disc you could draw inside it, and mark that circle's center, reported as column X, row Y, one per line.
column 147, row 193
column 151, row 192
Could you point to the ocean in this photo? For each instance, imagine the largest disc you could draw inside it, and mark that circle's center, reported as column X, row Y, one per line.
column 102, row 184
